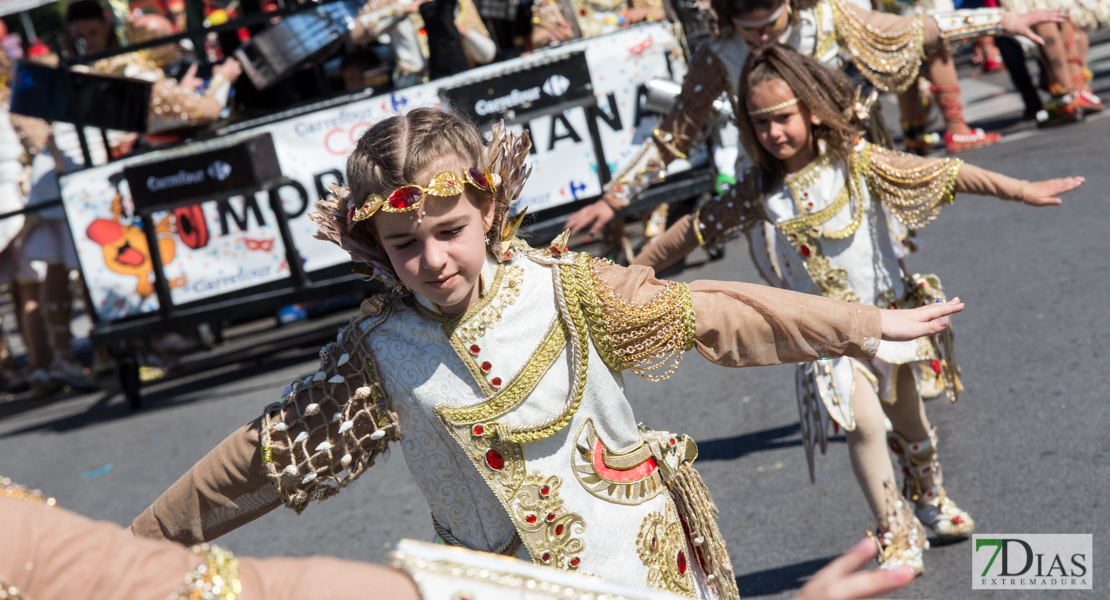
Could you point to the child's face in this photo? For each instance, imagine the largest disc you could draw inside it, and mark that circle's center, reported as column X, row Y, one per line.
column 762, row 26
column 439, row 255
column 786, row 133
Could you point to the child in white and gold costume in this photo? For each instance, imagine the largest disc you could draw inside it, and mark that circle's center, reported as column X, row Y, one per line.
column 497, row 368
column 816, row 208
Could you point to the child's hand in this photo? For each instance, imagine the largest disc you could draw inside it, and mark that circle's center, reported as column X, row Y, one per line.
column 906, row 325
column 1046, row 193
column 839, row 580
column 1015, row 24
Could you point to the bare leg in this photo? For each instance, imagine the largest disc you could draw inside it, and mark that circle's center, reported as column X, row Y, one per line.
column 58, row 311
column 1056, row 57
column 32, row 325
column 946, row 87
column 913, row 119
column 867, row 447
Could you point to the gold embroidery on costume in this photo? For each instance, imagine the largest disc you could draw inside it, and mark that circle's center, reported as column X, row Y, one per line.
column 890, row 61
column 518, row 389
column 914, row 196
column 547, row 527
column 804, row 233
column 639, row 480
column 637, row 337
column 662, row 547
column 824, row 41
column 331, row 427
column 217, row 578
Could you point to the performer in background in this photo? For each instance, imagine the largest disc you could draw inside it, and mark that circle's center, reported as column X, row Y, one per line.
column 497, row 368
column 816, row 208
column 887, row 49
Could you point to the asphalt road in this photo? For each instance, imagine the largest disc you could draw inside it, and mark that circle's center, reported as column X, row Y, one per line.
column 1025, row 450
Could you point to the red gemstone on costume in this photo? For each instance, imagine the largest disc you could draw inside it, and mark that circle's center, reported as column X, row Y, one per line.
column 530, row 518
column 545, row 490
column 654, row 542
column 486, row 366
column 546, row 557
column 405, row 197
column 582, row 11
column 936, row 366
column 479, row 430
column 559, row 529
column 574, row 562
column 550, row 517
column 804, row 249
column 682, row 562
column 495, row 382
column 478, row 177
column 673, row 442
column 958, row 520
column 495, row 460
column 474, row 349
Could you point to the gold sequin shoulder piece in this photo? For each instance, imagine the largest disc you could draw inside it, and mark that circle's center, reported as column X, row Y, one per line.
column 915, row 196
column 639, row 337
column 332, row 426
column 889, row 60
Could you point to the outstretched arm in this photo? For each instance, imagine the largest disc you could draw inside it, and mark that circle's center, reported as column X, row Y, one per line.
column 892, row 170
column 747, row 325
column 326, row 431
column 677, row 133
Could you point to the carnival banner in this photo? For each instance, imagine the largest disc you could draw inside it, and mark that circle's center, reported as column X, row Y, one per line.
column 217, row 247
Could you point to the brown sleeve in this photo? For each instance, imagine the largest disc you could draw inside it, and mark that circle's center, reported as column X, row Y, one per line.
column 981, row 182
column 746, row 325
column 225, row 490
column 670, row 246
column 74, row 558
column 54, row 554
column 679, row 129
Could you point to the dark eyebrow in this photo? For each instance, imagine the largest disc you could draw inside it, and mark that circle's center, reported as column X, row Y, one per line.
column 449, row 224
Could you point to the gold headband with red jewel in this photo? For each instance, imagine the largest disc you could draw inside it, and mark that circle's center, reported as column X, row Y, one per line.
column 408, row 197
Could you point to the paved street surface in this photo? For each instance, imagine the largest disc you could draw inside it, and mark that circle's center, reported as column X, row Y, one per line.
column 1026, row 449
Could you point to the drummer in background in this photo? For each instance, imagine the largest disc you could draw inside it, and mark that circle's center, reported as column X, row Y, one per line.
column 557, row 21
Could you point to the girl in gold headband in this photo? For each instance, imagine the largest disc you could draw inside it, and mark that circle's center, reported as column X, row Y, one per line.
column 816, row 208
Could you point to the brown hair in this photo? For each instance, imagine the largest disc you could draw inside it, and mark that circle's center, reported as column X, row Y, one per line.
column 726, row 10
column 394, row 153
column 826, row 92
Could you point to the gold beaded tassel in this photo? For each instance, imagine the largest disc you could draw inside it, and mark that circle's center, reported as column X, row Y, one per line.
column 638, row 337
column 890, row 61
column 698, row 511
column 914, row 196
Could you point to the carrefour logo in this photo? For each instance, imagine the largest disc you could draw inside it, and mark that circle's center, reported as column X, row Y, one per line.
column 219, row 170
column 556, row 85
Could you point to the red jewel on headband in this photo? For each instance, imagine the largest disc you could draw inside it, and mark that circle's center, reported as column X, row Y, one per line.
column 478, row 177
column 405, row 197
